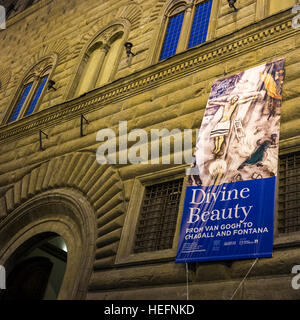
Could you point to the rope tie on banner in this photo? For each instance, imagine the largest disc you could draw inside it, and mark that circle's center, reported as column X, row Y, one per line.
column 187, row 281
column 253, row 264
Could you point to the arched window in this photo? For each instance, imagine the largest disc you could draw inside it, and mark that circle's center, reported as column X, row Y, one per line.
column 186, row 26
column 100, row 60
column 30, row 91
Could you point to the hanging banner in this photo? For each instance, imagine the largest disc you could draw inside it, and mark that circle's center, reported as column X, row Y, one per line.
column 229, row 202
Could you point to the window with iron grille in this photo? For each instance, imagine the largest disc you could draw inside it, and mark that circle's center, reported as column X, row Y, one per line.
column 289, row 193
column 158, row 217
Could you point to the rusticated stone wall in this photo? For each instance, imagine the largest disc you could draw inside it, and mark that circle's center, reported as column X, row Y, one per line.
column 170, row 94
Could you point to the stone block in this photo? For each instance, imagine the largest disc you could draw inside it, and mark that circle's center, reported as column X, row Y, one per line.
column 241, row 63
column 212, row 272
column 289, row 129
column 280, row 264
column 131, row 277
column 9, row 199
column 292, row 71
column 270, row 288
column 3, row 209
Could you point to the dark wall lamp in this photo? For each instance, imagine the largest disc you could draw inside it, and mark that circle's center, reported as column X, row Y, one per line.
column 231, row 4
column 51, row 85
column 128, row 46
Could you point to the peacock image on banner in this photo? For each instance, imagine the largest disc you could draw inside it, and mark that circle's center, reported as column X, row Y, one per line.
column 230, row 198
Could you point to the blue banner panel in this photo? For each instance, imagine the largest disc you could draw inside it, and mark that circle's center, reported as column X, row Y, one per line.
column 228, row 221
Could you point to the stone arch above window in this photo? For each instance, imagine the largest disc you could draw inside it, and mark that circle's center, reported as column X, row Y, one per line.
column 128, row 15
column 31, row 89
column 100, row 59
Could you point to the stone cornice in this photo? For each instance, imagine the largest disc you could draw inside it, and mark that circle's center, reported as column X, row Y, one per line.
column 22, row 15
column 258, row 35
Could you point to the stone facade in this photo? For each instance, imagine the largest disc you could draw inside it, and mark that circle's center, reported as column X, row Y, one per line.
column 63, row 188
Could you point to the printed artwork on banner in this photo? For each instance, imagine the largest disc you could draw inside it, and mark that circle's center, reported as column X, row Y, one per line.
column 230, row 197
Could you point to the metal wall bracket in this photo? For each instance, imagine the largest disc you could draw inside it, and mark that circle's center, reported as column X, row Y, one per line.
column 41, row 139
column 82, row 119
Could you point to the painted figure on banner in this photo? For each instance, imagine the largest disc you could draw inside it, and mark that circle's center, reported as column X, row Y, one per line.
column 258, row 156
column 223, row 126
column 241, row 125
column 274, row 91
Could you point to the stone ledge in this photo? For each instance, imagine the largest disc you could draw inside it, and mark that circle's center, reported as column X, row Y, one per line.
column 167, row 273
column 272, row 288
column 139, row 276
